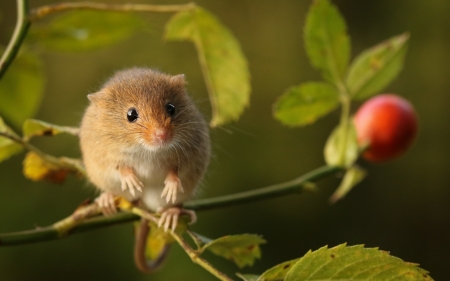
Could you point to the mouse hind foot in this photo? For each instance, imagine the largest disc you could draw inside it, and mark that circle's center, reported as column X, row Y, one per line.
column 169, row 217
column 107, row 204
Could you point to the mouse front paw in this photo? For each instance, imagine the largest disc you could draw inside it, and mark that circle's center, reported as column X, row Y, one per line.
column 130, row 181
column 107, row 203
column 171, row 188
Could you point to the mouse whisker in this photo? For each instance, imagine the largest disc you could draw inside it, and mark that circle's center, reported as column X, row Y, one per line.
column 141, row 126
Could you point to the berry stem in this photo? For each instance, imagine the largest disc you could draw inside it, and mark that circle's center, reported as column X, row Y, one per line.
column 344, row 122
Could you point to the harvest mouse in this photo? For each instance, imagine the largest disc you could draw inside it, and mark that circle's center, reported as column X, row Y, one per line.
column 143, row 138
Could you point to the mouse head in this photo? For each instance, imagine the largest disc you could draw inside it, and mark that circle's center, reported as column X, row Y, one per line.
column 144, row 107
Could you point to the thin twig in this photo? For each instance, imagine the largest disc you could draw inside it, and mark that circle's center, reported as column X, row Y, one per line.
column 198, row 260
column 25, row 18
column 63, row 162
column 43, row 11
column 17, row 38
column 294, row 186
column 30, row 147
column 297, row 185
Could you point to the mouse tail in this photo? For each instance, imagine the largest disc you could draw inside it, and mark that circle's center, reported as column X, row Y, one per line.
column 143, row 263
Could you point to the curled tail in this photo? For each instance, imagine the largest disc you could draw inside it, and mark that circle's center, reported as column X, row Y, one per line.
column 142, row 263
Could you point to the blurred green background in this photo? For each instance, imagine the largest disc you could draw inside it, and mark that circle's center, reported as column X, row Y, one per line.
column 403, row 206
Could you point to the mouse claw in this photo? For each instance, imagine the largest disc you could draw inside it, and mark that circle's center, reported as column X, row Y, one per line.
column 107, row 203
column 191, row 214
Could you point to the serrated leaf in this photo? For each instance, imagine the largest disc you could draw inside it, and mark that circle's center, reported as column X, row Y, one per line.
column 223, row 63
column 376, row 67
column 326, row 40
column 352, row 177
column 247, row 277
column 8, row 147
column 86, row 30
column 21, row 88
column 354, row 263
column 242, row 249
column 342, row 148
column 37, row 169
column 304, row 104
column 278, row 272
column 33, row 127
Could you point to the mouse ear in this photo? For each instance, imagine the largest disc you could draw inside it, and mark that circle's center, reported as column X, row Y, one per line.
column 179, row 79
column 95, row 96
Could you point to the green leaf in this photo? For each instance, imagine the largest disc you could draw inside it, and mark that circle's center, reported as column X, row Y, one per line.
column 21, row 88
column 247, row 277
column 352, row 177
column 223, row 63
column 326, row 40
column 354, row 263
column 306, row 103
column 242, row 249
column 8, row 147
column 278, row 272
column 376, row 67
column 33, row 127
column 342, row 148
column 86, row 30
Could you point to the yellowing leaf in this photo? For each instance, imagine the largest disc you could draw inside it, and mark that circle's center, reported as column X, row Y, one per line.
column 157, row 240
column 303, row 104
column 326, row 40
column 86, row 30
column 32, row 127
column 35, row 168
column 352, row 177
column 8, row 147
column 354, row 263
column 21, row 88
column 223, row 64
column 242, row 249
column 376, row 67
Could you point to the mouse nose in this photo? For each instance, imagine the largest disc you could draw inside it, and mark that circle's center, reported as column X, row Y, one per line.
column 161, row 135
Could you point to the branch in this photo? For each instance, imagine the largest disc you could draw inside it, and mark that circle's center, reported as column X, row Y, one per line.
column 297, row 185
column 43, row 11
column 72, row 225
column 17, row 38
column 194, row 255
column 25, row 18
column 62, row 162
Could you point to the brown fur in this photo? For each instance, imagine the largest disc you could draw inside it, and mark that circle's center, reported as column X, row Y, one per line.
column 112, row 146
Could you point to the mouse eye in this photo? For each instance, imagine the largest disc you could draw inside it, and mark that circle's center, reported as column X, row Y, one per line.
column 132, row 115
column 170, row 108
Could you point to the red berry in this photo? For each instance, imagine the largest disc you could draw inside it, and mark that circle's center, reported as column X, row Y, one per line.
column 388, row 124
